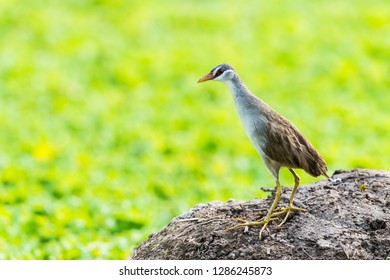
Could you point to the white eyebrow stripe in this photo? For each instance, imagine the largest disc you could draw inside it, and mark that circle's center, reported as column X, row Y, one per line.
column 215, row 71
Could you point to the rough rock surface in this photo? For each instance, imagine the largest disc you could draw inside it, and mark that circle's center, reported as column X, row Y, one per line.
column 345, row 220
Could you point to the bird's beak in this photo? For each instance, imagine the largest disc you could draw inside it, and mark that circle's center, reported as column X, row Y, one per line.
column 207, row 77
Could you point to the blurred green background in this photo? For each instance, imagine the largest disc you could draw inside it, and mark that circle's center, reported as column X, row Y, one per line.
column 106, row 136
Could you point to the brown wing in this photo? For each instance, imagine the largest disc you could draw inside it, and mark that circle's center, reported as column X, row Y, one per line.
column 287, row 146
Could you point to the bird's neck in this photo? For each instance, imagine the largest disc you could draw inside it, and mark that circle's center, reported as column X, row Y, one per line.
column 237, row 88
column 244, row 99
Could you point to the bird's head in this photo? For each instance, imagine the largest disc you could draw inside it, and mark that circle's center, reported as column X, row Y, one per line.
column 222, row 73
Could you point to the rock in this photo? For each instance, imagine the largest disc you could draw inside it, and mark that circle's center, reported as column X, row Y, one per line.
column 344, row 221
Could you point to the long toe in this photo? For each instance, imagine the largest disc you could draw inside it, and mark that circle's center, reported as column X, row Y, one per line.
column 288, row 209
column 245, row 223
column 263, row 228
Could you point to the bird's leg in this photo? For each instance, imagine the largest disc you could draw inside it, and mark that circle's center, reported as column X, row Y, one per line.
column 269, row 216
column 289, row 208
column 265, row 220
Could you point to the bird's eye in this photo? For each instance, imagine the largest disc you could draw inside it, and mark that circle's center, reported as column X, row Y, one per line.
column 219, row 72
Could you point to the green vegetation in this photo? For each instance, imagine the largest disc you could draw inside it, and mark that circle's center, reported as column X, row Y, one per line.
column 106, row 136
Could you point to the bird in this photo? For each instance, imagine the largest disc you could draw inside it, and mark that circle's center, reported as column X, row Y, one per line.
column 276, row 140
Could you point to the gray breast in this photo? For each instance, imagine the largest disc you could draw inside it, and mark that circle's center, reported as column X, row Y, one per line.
column 253, row 121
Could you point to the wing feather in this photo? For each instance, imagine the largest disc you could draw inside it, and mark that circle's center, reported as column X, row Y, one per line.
column 287, row 146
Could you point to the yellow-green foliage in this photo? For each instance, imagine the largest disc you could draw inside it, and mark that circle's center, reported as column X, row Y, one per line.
column 106, row 136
